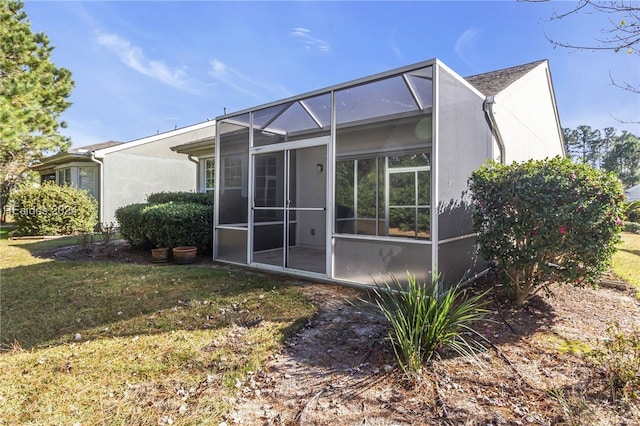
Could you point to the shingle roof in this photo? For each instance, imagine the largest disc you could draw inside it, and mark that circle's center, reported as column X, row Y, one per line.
column 492, row 83
column 95, row 147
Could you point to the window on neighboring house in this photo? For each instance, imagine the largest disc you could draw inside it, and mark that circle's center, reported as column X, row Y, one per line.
column 208, row 181
column 63, row 176
column 232, row 168
column 87, row 179
column 51, row 177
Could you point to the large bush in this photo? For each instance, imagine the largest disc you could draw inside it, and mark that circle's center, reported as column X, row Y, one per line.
column 53, row 210
column 546, row 221
column 204, row 198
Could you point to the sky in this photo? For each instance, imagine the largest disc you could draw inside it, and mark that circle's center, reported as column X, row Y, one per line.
column 146, row 67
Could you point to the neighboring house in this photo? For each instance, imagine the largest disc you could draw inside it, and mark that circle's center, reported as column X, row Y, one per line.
column 368, row 178
column 201, row 152
column 633, row 193
column 118, row 174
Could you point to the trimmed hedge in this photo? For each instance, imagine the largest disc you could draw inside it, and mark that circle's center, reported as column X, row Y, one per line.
column 53, row 210
column 204, row 198
column 178, row 224
column 633, row 227
column 166, row 225
column 131, row 221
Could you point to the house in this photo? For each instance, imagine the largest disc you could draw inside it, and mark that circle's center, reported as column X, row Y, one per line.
column 118, row 174
column 367, row 179
column 633, row 193
column 201, row 152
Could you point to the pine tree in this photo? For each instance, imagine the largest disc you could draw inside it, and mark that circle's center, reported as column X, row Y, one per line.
column 33, row 95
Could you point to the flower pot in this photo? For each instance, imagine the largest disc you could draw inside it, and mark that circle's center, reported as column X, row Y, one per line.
column 160, row 254
column 185, row 254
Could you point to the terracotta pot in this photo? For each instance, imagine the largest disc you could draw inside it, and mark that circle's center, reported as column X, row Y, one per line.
column 160, row 254
column 185, row 254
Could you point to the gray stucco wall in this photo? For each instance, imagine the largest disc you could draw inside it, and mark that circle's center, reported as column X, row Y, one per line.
column 132, row 174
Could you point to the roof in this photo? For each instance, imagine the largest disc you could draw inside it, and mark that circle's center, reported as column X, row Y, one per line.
column 492, row 83
column 95, row 147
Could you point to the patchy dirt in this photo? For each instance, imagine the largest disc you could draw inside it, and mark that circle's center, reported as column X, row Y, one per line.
column 340, row 369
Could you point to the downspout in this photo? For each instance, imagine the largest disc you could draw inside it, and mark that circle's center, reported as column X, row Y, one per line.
column 101, row 189
column 198, row 177
column 490, row 113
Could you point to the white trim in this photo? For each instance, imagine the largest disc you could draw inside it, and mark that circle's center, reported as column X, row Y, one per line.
column 435, row 165
column 375, row 238
column 459, row 78
column 461, row 237
column 100, row 153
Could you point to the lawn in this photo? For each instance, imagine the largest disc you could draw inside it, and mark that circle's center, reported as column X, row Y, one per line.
column 120, row 343
column 117, row 343
column 626, row 261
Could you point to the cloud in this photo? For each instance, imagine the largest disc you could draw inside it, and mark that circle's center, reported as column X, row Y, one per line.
column 466, row 44
column 309, row 42
column 133, row 57
column 241, row 82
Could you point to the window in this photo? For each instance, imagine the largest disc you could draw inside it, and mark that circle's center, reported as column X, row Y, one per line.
column 87, row 179
column 208, row 174
column 232, row 176
column 63, row 176
column 266, row 181
column 384, row 196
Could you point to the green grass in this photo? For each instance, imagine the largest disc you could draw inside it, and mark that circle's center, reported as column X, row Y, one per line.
column 156, row 342
column 5, row 229
column 626, row 260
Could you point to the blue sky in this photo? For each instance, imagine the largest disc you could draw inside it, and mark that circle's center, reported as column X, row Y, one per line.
column 144, row 67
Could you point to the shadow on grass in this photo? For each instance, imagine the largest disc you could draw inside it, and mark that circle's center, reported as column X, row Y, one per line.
column 43, row 245
column 47, row 304
column 635, row 252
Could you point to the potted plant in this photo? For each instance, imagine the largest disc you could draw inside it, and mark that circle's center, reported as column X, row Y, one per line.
column 160, row 254
column 185, row 254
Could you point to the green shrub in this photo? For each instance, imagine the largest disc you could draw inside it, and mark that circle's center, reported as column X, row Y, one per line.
column 423, row 321
column 204, row 198
column 132, row 225
column 632, row 211
column 546, row 221
column 53, row 210
column 166, row 225
column 633, row 227
column 178, row 224
column 618, row 361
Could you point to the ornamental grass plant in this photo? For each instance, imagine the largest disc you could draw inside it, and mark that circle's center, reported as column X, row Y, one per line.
column 424, row 320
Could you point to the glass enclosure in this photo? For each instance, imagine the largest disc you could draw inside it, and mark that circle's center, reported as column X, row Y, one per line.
column 342, row 183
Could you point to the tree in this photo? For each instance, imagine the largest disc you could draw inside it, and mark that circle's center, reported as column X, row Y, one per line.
column 606, row 150
column 546, row 221
column 583, row 144
column 33, row 95
column 624, row 159
column 621, row 35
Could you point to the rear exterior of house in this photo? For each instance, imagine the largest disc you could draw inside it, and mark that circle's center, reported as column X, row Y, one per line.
column 368, row 179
